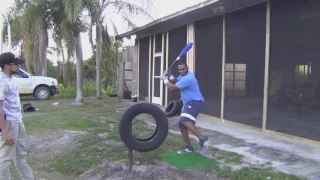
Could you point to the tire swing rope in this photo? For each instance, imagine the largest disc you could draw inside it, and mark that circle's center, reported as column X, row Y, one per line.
column 142, row 145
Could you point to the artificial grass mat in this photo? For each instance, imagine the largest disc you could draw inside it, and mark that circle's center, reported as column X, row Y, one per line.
column 188, row 160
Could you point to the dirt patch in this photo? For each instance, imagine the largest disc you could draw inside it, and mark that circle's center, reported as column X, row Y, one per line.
column 52, row 142
column 58, row 141
column 58, row 153
column 160, row 171
column 55, row 142
column 41, row 147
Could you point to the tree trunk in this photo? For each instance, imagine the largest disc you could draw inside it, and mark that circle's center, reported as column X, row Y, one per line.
column 90, row 38
column 98, row 56
column 24, row 53
column 67, row 69
column 35, row 56
column 79, row 98
column 23, row 56
column 42, row 52
column 63, row 65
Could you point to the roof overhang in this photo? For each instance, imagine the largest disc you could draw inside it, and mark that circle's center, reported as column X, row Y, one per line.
column 189, row 15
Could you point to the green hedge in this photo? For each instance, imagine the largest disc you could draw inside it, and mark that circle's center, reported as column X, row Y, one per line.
column 89, row 90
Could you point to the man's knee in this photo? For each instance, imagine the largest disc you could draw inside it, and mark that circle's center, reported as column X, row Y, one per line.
column 183, row 121
column 5, row 170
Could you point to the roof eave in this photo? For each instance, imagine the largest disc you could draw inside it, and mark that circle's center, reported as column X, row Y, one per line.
column 193, row 14
column 192, row 8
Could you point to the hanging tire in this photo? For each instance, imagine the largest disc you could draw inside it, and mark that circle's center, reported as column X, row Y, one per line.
column 172, row 108
column 151, row 143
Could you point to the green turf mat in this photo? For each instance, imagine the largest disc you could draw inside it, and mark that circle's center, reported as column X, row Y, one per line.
column 188, row 160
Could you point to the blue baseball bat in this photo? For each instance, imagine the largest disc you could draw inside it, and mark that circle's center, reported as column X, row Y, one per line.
column 182, row 53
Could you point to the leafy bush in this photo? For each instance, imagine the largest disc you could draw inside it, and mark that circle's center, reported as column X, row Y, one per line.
column 110, row 90
column 67, row 91
column 89, row 89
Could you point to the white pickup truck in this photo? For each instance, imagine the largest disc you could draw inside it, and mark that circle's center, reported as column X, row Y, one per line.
column 41, row 87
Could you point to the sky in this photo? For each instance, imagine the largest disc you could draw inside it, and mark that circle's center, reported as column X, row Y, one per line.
column 159, row 9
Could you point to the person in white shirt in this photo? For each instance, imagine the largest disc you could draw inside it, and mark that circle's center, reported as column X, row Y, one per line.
column 12, row 135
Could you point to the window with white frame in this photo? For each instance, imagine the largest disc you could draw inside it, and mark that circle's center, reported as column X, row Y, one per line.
column 301, row 74
column 235, row 80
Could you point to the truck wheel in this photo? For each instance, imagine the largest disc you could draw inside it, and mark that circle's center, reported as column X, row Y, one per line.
column 151, row 143
column 42, row 93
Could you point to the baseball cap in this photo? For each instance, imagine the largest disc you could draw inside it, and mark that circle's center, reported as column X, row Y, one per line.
column 9, row 58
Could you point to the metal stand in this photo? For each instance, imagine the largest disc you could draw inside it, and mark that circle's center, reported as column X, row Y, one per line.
column 129, row 167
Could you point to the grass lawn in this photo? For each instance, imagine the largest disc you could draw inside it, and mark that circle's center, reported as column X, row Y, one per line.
column 98, row 122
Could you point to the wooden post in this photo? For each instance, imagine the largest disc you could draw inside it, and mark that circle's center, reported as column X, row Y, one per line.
column 162, row 68
column 152, row 68
column 123, row 80
column 167, row 62
column 191, row 53
column 1, row 32
column 130, row 161
column 223, row 65
column 133, row 58
column 117, row 59
column 266, row 68
column 149, row 73
column 130, row 157
column 120, row 72
column 138, row 71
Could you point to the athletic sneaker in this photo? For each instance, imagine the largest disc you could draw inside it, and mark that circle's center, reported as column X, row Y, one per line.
column 204, row 142
column 186, row 149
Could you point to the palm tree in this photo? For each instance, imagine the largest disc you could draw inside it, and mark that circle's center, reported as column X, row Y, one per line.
column 14, row 17
column 64, row 18
column 36, row 22
column 73, row 14
column 30, row 20
column 63, row 35
column 125, row 9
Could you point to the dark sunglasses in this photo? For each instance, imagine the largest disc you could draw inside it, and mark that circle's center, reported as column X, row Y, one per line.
column 14, row 64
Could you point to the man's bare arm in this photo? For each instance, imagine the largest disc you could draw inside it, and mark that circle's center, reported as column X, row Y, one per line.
column 173, row 81
column 3, row 126
column 3, row 92
column 172, row 87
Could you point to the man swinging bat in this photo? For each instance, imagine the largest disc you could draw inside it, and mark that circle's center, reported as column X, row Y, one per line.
column 193, row 102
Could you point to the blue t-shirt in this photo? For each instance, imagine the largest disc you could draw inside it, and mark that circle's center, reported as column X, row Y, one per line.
column 189, row 88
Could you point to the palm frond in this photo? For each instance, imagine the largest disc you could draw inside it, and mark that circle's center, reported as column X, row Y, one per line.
column 93, row 8
column 29, row 22
column 130, row 24
column 129, row 8
column 20, row 4
column 68, row 35
column 72, row 9
column 114, row 28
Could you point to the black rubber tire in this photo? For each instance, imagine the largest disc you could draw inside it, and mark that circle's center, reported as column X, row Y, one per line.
column 149, row 144
column 113, row 95
column 42, row 89
column 149, row 138
column 172, row 108
column 180, row 107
